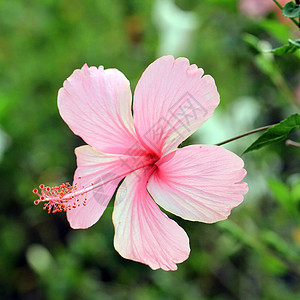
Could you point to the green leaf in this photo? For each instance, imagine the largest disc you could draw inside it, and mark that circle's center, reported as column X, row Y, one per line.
column 276, row 133
column 291, row 10
column 278, row 30
column 282, row 194
column 295, row 192
column 291, row 47
column 277, row 244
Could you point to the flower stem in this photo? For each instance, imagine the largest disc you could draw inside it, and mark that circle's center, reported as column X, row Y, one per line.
column 278, row 4
column 292, row 143
column 292, row 19
column 245, row 134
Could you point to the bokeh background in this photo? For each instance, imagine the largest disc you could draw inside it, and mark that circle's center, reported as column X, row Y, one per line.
column 255, row 254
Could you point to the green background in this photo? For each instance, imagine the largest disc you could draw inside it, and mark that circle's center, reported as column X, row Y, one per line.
column 253, row 255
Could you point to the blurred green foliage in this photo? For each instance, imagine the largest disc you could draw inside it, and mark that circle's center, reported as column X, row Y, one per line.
column 253, row 255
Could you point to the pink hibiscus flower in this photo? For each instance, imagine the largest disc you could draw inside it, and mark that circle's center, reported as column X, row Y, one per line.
column 198, row 183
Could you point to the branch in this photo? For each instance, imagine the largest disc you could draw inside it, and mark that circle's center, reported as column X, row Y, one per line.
column 245, row 134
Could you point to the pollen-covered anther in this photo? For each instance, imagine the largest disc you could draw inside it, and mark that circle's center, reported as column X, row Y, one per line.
column 56, row 198
column 63, row 197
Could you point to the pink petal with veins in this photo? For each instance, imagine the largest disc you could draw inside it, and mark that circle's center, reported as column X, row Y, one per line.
column 171, row 101
column 142, row 231
column 96, row 179
column 96, row 104
column 199, row 183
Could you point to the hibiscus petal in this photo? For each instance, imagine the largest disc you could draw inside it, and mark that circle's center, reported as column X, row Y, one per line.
column 95, row 181
column 171, row 101
column 143, row 232
column 199, row 183
column 96, row 104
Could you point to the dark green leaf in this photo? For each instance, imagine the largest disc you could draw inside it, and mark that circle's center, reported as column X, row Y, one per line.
column 276, row 133
column 291, row 10
column 291, row 47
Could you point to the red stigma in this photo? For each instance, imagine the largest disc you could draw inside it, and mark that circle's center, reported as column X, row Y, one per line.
column 56, row 198
column 63, row 197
